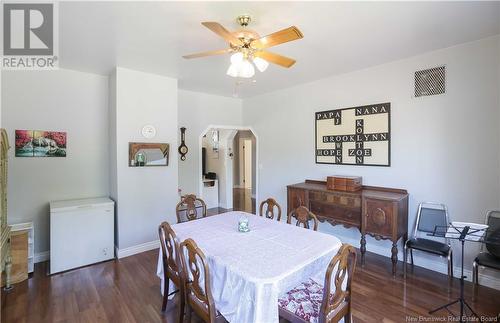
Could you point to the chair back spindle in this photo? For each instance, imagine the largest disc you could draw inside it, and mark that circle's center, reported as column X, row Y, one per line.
column 270, row 205
column 197, row 277
column 302, row 215
column 172, row 265
column 189, row 208
column 169, row 248
column 336, row 302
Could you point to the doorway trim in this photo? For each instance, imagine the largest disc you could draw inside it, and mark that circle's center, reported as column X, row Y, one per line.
column 200, row 157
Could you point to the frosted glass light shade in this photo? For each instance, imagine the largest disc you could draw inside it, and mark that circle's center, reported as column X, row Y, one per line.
column 233, row 70
column 236, row 58
column 246, row 69
column 240, row 66
column 261, row 63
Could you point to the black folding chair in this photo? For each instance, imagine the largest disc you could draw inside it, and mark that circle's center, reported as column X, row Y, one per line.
column 491, row 257
column 430, row 215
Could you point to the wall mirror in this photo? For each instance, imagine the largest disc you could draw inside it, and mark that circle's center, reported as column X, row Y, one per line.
column 148, row 154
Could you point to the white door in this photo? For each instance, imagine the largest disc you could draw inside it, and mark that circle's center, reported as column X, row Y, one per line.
column 247, row 157
column 241, row 163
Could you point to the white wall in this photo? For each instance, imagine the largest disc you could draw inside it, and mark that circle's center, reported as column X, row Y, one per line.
column 113, row 169
column 59, row 100
column 197, row 111
column 96, row 164
column 145, row 196
column 444, row 148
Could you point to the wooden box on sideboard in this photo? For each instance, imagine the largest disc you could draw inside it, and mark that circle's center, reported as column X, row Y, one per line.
column 344, row 183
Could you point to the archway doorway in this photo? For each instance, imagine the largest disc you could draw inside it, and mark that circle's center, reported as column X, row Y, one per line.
column 228, row 169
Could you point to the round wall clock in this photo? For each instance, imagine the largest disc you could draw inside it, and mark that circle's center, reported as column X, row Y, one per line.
column 148, row 131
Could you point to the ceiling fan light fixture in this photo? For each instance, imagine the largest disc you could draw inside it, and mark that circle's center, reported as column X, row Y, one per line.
column 233, row 70
column 260, row 63
column 240, row 66
column 237, row 58
column 248, row 48
column 246, row 69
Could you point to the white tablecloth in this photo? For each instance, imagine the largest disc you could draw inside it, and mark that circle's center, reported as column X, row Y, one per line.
column 249, row 271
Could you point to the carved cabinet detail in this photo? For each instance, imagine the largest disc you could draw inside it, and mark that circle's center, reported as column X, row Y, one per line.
column 378, row 219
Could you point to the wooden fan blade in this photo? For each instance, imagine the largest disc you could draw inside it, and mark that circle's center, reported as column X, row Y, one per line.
column 275, row 58
column 223, row 32
column 279, row 37
column 207, row 53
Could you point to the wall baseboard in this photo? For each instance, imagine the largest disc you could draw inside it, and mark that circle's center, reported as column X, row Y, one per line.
column 224, row 206
column 438, row 265
column 41, row 256
column 120, row 253
column 126, row 252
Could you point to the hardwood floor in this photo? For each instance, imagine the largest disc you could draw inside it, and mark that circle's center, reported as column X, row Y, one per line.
column 243, row 200
column 127, row 290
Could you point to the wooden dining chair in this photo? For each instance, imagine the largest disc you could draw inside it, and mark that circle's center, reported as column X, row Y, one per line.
column 302, row 215
column 198, row 298
column 189, row 208
column 271, row 205
column 172, row 266
column 328, row 303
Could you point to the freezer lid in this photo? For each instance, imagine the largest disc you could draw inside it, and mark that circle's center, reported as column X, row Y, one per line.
column 69, row 205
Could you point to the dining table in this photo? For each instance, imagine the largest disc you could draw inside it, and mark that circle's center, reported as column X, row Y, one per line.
column 249, row 271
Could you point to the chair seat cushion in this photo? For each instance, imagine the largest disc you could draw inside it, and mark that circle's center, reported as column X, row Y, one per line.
column 432, row 246
column 304, row 300
column 488, row 260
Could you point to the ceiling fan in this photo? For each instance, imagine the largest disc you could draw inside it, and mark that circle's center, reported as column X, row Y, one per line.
column 248, row 47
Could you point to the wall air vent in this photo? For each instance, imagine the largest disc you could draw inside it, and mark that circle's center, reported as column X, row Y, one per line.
column 431, row 81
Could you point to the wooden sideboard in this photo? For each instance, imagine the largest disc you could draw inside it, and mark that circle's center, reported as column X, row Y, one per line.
column 377, row 211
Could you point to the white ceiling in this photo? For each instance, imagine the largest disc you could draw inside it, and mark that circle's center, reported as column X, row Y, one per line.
column 338, row 37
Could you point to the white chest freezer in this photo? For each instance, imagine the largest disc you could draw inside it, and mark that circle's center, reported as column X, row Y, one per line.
column 81, row 233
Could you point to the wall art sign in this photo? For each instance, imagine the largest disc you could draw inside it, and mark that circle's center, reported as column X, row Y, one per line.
column 40, row 143
column 354, row 136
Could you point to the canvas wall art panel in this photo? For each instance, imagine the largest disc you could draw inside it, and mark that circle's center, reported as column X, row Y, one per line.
column 40, row 143
column 24, row 143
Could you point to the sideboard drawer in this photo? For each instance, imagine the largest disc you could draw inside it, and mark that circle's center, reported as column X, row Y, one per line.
column 326, row 211
column 351, row 201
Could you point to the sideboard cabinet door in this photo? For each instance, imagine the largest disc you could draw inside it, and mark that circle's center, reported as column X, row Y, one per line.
column 379, row 218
